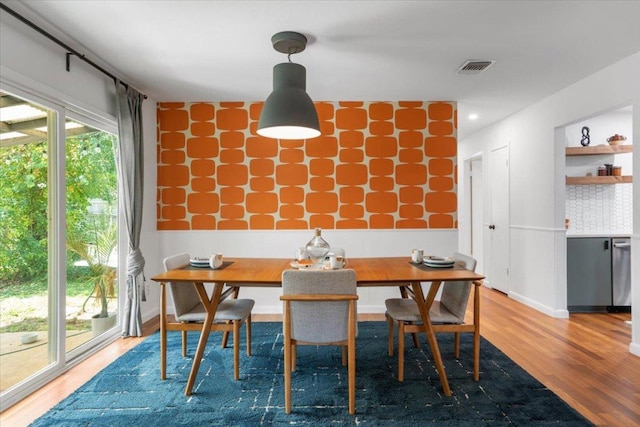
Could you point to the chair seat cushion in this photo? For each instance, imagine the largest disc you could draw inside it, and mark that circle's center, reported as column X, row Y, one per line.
column 230, row 309
column 403, row 309
column 406, row 310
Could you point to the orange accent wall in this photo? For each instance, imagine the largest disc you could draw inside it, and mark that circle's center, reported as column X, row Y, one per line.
column 377, row 165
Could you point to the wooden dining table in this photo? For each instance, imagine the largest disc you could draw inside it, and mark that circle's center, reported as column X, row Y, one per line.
column 267, row 272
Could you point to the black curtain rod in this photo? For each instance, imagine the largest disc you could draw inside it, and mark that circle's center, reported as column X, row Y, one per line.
column 70, row 50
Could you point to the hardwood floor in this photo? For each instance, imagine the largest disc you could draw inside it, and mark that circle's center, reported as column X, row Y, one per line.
column 584, row 359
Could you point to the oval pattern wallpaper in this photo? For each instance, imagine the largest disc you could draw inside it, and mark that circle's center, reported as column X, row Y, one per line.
column 377, row 165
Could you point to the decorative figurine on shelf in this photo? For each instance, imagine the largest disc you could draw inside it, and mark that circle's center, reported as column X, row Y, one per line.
column 616, row 139
column 586, row 139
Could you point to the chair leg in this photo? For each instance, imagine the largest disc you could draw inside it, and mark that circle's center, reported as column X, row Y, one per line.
column 476, row 330
column 184, row 343
column 287, row 378
column 236, row 349
column 225, row 336
column 287, row 358
column 416, row 343
column 476, row 356
column 456, row 345
column 352, row 377
column 163, row 332
column 344, row 355
column 390, row 335
column 352, row 357
column 400, row 351
column 294, row 355
column 248, row 327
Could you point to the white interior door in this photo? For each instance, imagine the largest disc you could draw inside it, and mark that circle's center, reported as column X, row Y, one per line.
column 477, row 213
column 498, row 262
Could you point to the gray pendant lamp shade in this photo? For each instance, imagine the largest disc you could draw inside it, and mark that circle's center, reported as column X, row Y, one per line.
column 289, row 113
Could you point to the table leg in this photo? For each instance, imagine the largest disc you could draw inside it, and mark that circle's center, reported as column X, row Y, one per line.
column 163, row 331
column 425, row 306
column 210, row 305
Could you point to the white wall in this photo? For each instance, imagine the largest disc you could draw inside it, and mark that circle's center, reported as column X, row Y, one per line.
column 537, row 233
column 36, row 63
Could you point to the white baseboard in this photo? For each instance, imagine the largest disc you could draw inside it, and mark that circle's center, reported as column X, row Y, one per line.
column 560, row 314
column 634, row 349
column 362, row 309
column 150, row 314
column 371, row 309
column 267, row 309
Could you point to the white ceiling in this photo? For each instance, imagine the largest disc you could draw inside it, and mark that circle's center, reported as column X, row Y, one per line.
column 358, row 50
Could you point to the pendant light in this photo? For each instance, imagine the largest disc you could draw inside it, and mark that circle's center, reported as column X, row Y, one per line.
column 289, row 113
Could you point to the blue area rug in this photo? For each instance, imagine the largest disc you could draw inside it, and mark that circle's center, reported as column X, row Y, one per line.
column 129, row 391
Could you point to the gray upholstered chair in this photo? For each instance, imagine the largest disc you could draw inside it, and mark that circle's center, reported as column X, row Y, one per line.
column 447, row 315
column 319, row 309
column 231, row 313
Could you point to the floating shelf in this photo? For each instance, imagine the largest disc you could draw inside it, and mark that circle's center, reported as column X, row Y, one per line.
column 599, row 149
column 602, row 180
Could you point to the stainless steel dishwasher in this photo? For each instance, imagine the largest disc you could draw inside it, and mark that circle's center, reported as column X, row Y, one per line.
column 621, row 274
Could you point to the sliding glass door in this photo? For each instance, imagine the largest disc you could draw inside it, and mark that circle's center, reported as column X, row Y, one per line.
column 27, row 282
column 91, row 233
column 58, row 239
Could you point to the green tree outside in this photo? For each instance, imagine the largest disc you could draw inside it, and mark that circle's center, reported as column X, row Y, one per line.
column 90, row 174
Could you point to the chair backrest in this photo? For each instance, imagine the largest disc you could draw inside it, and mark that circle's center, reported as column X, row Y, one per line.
column 455, row 295
column 185, row 298
column 322, row 321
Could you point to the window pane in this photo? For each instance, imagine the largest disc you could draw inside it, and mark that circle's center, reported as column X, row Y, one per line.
column 26, row 285
column 92, row 233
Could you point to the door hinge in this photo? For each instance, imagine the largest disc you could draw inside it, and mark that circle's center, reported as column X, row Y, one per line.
column 507, row 271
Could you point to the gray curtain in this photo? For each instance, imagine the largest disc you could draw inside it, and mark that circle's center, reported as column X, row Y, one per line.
column 129, row 160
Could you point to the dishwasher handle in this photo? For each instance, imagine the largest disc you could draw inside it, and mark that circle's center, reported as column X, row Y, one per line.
column 622, row 245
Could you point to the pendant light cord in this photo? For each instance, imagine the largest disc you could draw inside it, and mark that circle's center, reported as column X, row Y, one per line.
column 292, row 51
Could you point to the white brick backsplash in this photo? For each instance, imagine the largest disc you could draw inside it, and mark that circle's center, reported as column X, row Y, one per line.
column 599, row 209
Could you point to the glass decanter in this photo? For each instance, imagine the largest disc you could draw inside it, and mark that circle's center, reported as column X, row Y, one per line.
column 317, row 248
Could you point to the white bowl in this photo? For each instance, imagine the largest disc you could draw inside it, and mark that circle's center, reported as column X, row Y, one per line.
column 29, row 337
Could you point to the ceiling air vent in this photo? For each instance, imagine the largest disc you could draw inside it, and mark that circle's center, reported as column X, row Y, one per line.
column 474, row 67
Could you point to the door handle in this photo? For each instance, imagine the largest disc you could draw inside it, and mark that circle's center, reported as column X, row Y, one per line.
column 606, row 245
column 492, row 227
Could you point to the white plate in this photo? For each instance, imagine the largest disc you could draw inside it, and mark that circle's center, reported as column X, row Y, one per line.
column 199, row 262
column 294, row 264
column 438, row 265
column 431, row 259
